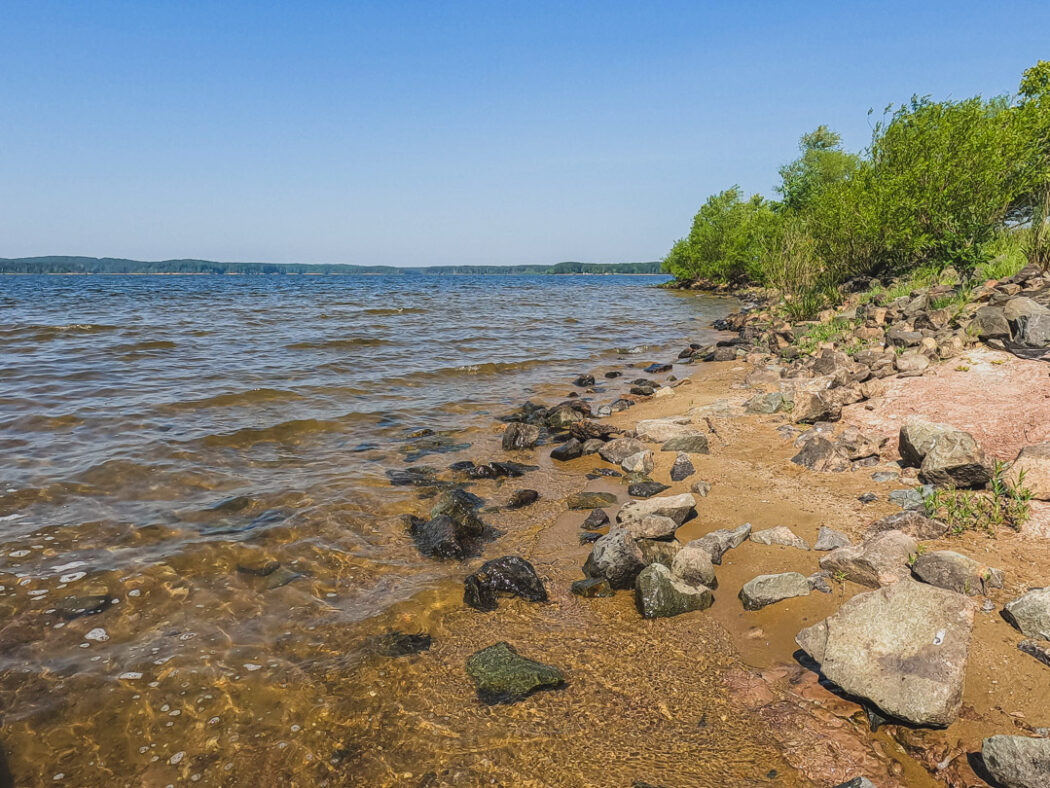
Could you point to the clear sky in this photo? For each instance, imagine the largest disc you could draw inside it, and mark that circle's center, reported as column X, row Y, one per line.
column 415, row 133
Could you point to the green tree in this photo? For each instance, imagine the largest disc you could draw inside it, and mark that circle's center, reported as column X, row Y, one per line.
column 822, row 164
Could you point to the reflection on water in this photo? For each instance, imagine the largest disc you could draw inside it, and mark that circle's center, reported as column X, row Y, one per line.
column 198, row 542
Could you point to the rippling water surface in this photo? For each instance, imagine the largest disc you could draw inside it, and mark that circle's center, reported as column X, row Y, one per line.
column 166, row 440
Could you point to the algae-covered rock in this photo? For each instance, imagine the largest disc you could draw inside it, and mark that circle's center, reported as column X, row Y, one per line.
column 510, row 575
column 591, row 500
column 501, row 675
column 658, row 595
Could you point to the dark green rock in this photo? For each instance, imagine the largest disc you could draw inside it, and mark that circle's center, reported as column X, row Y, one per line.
column 592, row 587
column 501, row 675
column 461, row 507
column 400, row 644
column 511, row 575
column 658, row 595
column 647, row 489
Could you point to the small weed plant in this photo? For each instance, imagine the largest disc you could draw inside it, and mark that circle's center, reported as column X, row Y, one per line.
column 1002, row 504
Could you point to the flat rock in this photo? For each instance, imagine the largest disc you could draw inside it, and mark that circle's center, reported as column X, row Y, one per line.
column 879, row 561
column 646, row 489
column 617, row 558
column 677, row 507
column 956, row 572
column 591, row 500
column 662, row 430
column 830, row 539
column 682, row 468
column 692, row 565
column 1030, row 613
column 501, row 675
column 694, row 443
column 903, row 648
column 619, row 449
column 652, row 526
column 658, row 595
column 1034, row 461
column 717, row 543
column 510, row 575
column 781, row 535
column 1017, row 761
column 911, row 522
column 769, row 589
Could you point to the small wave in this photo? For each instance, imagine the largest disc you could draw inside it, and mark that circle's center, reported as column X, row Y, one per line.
column 291, row 431
column 474, row 370
column 145, row 346
column 401, row 310
column 40, row 332
column 337, row 344
column 238, row 398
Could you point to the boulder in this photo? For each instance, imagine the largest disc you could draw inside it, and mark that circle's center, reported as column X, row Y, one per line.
column 1017, row 761
column 781, row 535
column 619, row 449
column 768, row 589
column 911, row 522
column 1030, row 613
column 830, row 539
column 661, row 430
column 1040, row 649
column 563, row 416
column 955, row 460
column 1035, row 462
column 658, row 551
column 903, row 648
column 658, row 595
column 765, row 403
column 510, row 575
column 956, row 572
column 1019, row 307
column 693, row 443
column 917, row 438
column 520, row 436
column 990, row 323
column 1033, row 330
column 718, row 543
column 811, row 407
column 682, row 468
column 641, row 462
column 677, row 507
column 653, row 526
column 568, row 450
column 692, row 565
column 646, row 489
column 881, row 560
column 501, row 675
column 912, row 363
column 617, row 558
column 820, row 454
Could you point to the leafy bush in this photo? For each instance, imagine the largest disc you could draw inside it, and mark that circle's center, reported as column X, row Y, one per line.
column 965, row 510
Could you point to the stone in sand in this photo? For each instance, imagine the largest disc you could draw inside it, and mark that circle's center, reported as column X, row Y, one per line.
column 910, row 522
column 501, row 675
column 642, row 462
column 595, row 520
column 569, row 450
column 830, row 539
column 780, row 535
column 768, row 589
column 1030, row 613
column 903, row 648
column 701, row 488
column 510, row 575
column 956, row 572
column 619, row 449
column 695, row 443
column 717, row 543
column 811, row 407
column 653, row 526
column 677, row 507
column 523, row 498
column 682, row 468
column 1017, row 761
column 663, row 430
column 692, row 565
column 658, row 595
column 820, row 454
column 882, row 560
column 646, row 489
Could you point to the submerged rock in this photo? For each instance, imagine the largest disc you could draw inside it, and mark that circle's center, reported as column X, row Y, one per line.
column 73, row 607
column 520, row 436
column 401, row 644
column 658, row 595
column 501, row 675
column 768, row 589
column 591, row 500
column 1017, row 761
column 510, row 575
column 523, row 498
column 438, row 537
column 903, row 648
column 461, row 507
column 593, row 587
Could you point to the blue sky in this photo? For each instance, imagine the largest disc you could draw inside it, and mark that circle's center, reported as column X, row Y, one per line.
column 414, row 133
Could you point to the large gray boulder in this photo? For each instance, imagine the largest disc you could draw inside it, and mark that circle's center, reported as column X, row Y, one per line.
column 652, row 526
column 1035, row 462
column 913, row 523
column 768, row 589
column 903, row 648
column 617, row 558
column 619, row 449
column 881, row 560
column 813, row 406
column 917, row 438
column 1033, row 330
column 956, row 572
column 692, row 565
column 780, row 535
column 658, row 595
column 1030, row 613
column 718, row 543
column 830, row 539
column 955, row 460
column 1021, row 306
column 658, row 551
column 1017, row 761
column 990, row 323
column 677, row 507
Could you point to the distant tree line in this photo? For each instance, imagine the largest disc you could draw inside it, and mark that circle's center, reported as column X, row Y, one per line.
column 942, row 183
column 110, row 265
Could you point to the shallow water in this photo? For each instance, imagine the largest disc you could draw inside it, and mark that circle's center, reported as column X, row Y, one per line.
column 162, row 437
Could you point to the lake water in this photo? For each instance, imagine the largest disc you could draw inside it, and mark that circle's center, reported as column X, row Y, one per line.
column 165, row 440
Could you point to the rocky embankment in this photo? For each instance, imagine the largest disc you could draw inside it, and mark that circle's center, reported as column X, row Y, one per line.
column 907, row 600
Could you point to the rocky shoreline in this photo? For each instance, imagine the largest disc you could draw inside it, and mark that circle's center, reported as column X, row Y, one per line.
column 896, row 613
